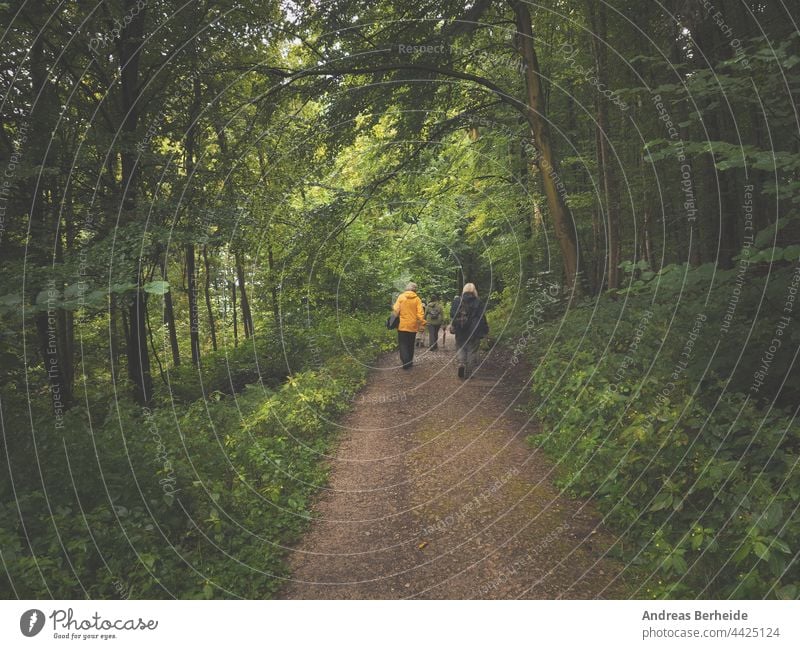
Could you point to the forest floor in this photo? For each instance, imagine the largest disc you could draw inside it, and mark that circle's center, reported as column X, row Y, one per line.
column 434, row 494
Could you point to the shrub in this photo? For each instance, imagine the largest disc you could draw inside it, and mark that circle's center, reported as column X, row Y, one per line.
column 646, row 407
column 189, row 501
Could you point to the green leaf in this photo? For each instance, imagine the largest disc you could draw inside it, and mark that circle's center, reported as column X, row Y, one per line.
column 679, row 564
column 781, row 546
column 761, row 550
column 662, row 501
column 771, row 516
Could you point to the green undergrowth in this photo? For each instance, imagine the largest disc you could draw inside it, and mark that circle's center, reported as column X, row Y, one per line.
column 192, row 500
column 653, row 401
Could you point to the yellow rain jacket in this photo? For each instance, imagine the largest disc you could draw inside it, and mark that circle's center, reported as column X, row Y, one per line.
column 409, row 306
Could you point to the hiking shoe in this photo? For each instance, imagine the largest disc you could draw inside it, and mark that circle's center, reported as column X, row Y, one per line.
column 461, row 372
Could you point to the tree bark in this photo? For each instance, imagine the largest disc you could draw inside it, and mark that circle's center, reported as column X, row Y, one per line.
column 212, row 327
column 138, row 356
column 233, row 309
column 276, row 309
column 169, row 316
column 247, row 318
column 598, row 25
column 194, row 312
column 128, row 50
column 552, row 182
column 45, row 247
column 113, row 327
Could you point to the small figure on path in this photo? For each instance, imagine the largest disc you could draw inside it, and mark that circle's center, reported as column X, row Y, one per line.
column 468, row 323
column 409, row 309
column 434, row 316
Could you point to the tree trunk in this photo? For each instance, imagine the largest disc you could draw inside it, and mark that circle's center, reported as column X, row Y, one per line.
column 194, row 312
column 597, row 247
column 247, row 317
column 211, row 323
column 55, row 360
column 129, row 50
column 546, row 161
column 136, row 349
column 233, row 309
column 597, row 22
column 113, row 327
column 724, row 242
column 276, row 310
column 169, row 316
column 45, row 245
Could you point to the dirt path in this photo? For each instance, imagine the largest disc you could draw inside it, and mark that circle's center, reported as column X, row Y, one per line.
column 434, row 494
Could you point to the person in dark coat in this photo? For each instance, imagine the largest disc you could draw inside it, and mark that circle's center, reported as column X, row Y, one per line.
column 468, row 323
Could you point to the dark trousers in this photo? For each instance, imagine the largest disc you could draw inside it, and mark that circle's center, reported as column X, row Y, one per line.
column 405, row 341
column 434, row 336
column 467, row 353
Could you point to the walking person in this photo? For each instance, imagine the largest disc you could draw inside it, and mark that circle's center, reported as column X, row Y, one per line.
column 434, row 317
column 409, row 309
column 468, row 323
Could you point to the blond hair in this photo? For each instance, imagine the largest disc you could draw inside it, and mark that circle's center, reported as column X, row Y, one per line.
column 470, row 288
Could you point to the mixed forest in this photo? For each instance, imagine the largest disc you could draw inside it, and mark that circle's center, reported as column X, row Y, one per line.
column 208, row 208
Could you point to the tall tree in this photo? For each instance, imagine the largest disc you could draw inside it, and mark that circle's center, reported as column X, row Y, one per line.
column 553, row 183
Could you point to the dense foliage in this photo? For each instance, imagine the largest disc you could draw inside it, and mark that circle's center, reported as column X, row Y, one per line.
column 205, row 208
column 142, row 506
column 689, row 452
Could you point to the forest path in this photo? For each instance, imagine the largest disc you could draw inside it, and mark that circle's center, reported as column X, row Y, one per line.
column 434, row 494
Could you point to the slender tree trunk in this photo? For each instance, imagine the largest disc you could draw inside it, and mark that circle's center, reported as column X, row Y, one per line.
column 129, row 50
column 270, row 255
column 113, row 333
column 169, row 316
column 153, row 349
column 126, row 330
column 54, row 358
column 138, row 356
column 190, row 164
column 720, row 184
column 552, row 182
column 247, row 317
column 233, row 310
column 45, row 238
column 194, row 312
column 597, row 22
column 276, row 309
column 211, row 323
column 597, row 246
column 65, row 343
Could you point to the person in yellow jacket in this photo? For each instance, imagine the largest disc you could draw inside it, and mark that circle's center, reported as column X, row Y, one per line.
column 409, row 308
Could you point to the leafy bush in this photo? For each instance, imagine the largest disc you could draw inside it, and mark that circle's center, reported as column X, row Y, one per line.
column 192, row 501
column 646, row 405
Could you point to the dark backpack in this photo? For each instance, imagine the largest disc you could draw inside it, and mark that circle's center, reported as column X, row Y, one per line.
column 463, row 317
column 393, row 320
column 434, row 312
